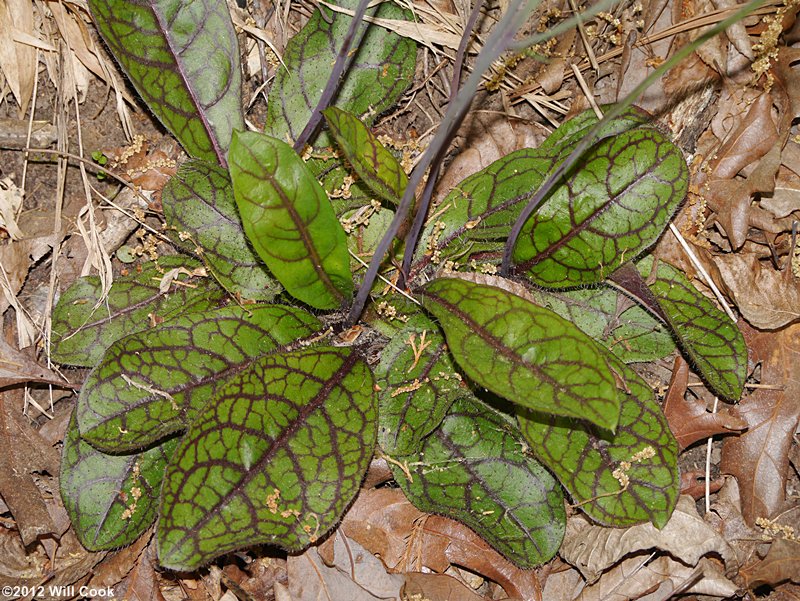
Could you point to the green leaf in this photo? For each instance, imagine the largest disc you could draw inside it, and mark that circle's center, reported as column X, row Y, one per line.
column 612, row 206
column 276, row 458
column 84, row 326
column 154, row 383
column 375, row 165
column 624, row 328
column 289, row 220
column 567, row 135
column 110, row 499
column 473, row 469
column 198, row 201
column 380, row 72
column 585, row 460
column 478, row 213
column 183, row 59
column 418, row 382
column 523, row 352
column 714, row 344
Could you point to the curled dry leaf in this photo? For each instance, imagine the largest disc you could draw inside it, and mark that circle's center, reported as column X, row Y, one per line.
column 18, row 367
column 767, row 298
column 594, row 549
column 355, row 574
column 781, row 564
column 386, row 523
column 436, row 587
column 759, row 458
column 659, row 579
column 689, row 420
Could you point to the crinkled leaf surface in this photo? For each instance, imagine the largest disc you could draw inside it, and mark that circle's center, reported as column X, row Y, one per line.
column 153, row 383
column 275, row 458
column 199, row 201
column 585, row 459
column 183, row 58
column 624, row 328
column 522, row 351
column 570, row 133
column 84, row 327
column 418, row 382
column 111, row 499
column 380, row 72
column 472, row 468
column 375, row 165
column 612, row 205
column 714, row 344
column 289, row 219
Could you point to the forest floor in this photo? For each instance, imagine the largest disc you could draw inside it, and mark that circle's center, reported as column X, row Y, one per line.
column 733, row 108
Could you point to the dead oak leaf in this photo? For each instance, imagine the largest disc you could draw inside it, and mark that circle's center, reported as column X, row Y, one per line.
column 691, row 421
column 759, row 458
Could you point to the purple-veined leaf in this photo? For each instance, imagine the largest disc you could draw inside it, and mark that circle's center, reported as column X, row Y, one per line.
column 84, row 326
column 289, row 220
column 198, row 202
column 473, row 469
column 523, row 352
column 111, row 499
column 183, row 58
column 275, row 458
column 153, row 383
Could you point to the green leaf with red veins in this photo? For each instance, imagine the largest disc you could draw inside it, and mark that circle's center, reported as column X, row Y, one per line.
column 110, row 499
column 418, row 382
column 524, row 352
column 85, row 324
column 375, row 165
column 618, row 479
column 712, row 341
column 183, row 58
column 289, row 220
column 154, row 383
column 381, row 71
column 198, row 202
column 570, row 133
column 473, row 469
column 275, row 458
column 610, row 207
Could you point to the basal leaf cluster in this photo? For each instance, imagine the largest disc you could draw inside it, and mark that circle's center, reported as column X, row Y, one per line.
column 220, row 406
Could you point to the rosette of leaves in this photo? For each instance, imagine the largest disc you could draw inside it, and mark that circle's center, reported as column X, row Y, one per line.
column 251, row 426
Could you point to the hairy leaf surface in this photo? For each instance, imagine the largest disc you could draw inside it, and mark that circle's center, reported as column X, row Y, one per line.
column 375, row 165
column 611, row 206
column 111, row 499
column 624, row 328
column 524, row 352
column 418, row 382
column 198, row 201
column 714, row 344
column 472, row 469
column 382, row 69
column 183, row 58
column 289, row 220
column 154, row 383
column 592, row 466
column 84, row 327
column 275, row 458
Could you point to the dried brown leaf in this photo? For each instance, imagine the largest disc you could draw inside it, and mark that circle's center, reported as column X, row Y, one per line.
column 659, row 579
column 767, row 298
column 436, row 587
column 141, row 583
column 693, row 483
column 17, row 60
column 690, row 420
column 386, row 523
column 785, row 198
column 594, row 549
column 115, row 568
column 759, row 458
column 17, row 367
column 356, row 574
column 781, row 564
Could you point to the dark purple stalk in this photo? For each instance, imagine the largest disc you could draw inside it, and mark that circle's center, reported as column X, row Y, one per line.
column 427, row 194
column 343, row 60
column 630, row 282
column 501, row 37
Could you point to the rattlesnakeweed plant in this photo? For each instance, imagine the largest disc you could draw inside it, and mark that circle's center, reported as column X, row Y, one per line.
column 227, row 399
